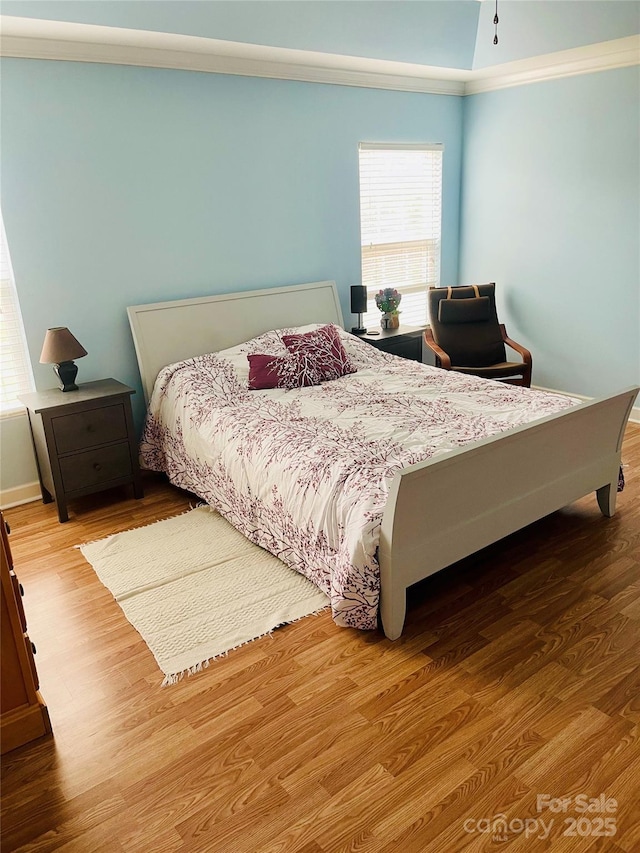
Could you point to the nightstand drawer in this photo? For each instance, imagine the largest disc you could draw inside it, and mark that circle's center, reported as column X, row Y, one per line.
column 94, row 467
column 406, row 341
column 89, row 428
column 410, row 348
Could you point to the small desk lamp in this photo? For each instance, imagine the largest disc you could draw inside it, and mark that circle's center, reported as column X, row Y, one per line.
column 59, row 349
column 358, row 306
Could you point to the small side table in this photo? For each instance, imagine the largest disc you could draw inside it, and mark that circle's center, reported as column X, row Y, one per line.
column 84, row 440
column 406, row 341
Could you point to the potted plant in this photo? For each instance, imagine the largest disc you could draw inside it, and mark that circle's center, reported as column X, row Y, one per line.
column 387, row 301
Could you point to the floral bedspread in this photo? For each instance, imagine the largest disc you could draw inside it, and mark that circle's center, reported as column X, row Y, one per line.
column 305, row 472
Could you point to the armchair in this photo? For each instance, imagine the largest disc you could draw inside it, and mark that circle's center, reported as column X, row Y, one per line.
column 466, row 336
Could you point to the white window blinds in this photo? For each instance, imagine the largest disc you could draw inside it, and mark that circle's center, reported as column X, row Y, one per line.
column 400, row 221
column 15, row 368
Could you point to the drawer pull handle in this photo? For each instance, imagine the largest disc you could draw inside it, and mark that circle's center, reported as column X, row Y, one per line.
column 97, row 466
column 33, row 647
column 21, row 588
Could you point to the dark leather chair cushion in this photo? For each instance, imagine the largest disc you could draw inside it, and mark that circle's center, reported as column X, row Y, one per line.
column 464, row 310
column 481, row 345
column 493, row 371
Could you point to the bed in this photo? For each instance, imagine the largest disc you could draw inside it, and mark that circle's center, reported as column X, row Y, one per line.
column 377, row 503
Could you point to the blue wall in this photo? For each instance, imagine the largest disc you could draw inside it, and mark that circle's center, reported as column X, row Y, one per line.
column 125, row 185
column 551, row 212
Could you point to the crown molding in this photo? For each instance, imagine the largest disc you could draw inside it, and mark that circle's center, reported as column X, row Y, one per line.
column 604, row 56
column 30, row 38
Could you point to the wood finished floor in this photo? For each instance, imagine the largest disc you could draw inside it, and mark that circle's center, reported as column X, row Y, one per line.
column 518, row 675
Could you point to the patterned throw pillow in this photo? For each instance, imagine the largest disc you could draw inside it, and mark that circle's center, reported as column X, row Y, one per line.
column 280, row 371
column 324, row 350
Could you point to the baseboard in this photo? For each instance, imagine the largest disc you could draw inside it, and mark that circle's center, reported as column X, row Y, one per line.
column 24, row 724
column 634, row 417
column 20, row 495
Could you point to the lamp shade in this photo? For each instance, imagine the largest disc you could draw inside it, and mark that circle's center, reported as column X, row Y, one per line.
column 60, row 345
column 358, row 299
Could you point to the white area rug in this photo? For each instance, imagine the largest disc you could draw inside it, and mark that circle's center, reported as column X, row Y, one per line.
column 194, row 588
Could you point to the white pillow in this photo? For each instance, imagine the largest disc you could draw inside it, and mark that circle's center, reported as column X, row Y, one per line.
column 268, row 343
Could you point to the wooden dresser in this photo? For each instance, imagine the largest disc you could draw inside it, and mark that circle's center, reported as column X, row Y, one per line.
column 24, row 715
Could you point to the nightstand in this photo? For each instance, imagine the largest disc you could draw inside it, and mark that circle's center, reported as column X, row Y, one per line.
column 84, row 440
column 406, row 341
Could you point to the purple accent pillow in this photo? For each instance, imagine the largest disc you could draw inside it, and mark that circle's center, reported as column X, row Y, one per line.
column 324, row 350
column 280, row 371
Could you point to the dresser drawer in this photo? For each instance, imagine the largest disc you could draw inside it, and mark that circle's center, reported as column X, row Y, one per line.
column 31, row 650
column 95, row 467
column 89, row 428
column 18, row 593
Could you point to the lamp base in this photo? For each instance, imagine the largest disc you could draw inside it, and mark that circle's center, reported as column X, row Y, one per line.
column 66, row 372
column 359, row 329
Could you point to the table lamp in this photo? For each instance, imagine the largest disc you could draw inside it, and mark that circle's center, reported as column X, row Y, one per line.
column 358, row 306
column 59, row 349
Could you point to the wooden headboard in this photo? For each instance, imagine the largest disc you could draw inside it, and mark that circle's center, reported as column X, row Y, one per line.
column 166, row 332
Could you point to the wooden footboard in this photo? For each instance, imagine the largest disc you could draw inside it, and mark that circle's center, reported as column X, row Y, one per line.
column 445, row 509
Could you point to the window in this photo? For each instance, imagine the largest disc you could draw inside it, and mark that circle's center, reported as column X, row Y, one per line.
column 15, row 367
column 400, row 217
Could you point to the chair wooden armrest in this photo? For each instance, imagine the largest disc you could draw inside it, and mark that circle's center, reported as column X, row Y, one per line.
column 523, row 352
column 442, row 359
column 526, row 355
